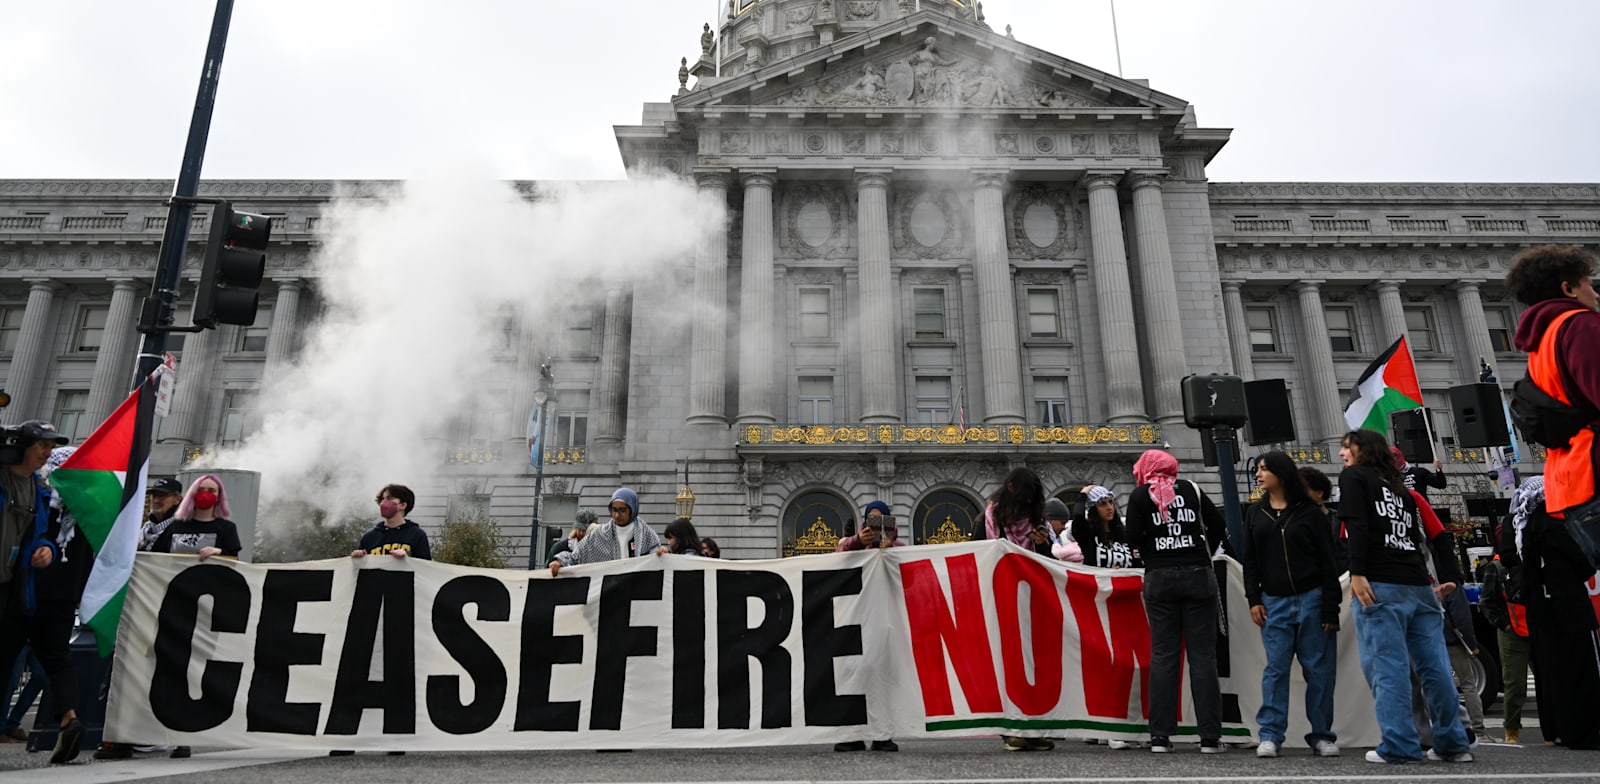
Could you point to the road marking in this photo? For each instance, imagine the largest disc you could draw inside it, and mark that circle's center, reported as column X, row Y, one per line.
column 135, row 769
column 1122, row 779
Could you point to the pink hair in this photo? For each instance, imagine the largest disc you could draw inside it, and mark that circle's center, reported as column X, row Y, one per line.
column 186, row 507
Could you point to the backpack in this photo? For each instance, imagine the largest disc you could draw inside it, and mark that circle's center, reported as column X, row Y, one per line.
column 1545, row 420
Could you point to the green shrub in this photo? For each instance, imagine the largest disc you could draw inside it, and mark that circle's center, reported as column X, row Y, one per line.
column 474, row 540
column 288, row 533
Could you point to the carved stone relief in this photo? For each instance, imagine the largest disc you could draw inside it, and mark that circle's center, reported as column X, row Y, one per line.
column 815, row 222
column 927, row 225
column 861, row 10
column 736, row 143
column 893, row 143
column 778, row 143
column 1040, row 226
column 855, row 143
column 1044, row 144
column 1124, row 144
column 1082, row 144
column 1005, row 143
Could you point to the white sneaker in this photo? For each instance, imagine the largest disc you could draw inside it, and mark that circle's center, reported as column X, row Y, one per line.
column 1325, row 748
column 1460, row 756
column 1374, row 756
column 1267, row 749
column 1119, row 745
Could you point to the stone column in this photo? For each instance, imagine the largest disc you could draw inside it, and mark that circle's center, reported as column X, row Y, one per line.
column 195, row 365
column 1393, row 312
column 1158, row 285
column 1327, row 409
column 1476, row 326
column 28, row 361
column 1119, row 343
column 997, row 302
column 708, row 342
column 113, row 366
column 879, row 334
column 1087, row 314
column 285, row 324
column 1238, row 330
column 612, row 387
column 529, row 354
column 756, row 302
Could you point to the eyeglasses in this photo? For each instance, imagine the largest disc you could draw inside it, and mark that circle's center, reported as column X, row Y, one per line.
column 616, row 510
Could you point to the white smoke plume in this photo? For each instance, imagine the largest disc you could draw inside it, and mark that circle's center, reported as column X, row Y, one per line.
column 415, row 290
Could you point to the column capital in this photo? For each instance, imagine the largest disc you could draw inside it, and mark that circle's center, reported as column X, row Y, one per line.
column 711, row 178
column 758, row 178
column 1079, row 272
column 1232, row 286
column 48, row 284
column 1139, row 179
column 122, row 284
column 1465, row 285
column 1388, row 284
column 1100, row 178
column 990, row 178
column 872, row 178
column 1309, row 287
column 295, row 283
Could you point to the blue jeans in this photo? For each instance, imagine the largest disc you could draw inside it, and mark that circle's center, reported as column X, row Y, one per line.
column 19, row 709
column 1294, row 630
column 1408, row 618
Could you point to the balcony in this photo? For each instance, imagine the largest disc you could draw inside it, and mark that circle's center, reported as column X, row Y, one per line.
column 1456, row 455
column 481, row 454
column 801, row 437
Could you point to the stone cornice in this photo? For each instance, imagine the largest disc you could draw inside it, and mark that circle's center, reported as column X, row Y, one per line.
column 1411, row 192
column 159, row 189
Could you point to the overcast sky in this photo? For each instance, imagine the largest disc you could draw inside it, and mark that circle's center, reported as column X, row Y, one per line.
column 1392, row 90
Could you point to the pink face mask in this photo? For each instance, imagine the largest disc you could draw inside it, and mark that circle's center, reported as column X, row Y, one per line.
column 388, row 507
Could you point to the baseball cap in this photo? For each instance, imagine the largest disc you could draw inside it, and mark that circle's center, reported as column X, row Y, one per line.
column 169, row 486
column 35, row 430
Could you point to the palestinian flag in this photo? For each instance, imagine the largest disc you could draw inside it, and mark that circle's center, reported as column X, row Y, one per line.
column 1388, row 385
column 103, row 484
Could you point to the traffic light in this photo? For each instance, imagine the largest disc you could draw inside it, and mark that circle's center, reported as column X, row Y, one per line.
column 231, row 274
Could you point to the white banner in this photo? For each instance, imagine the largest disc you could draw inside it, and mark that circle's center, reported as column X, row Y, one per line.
column 657, row 652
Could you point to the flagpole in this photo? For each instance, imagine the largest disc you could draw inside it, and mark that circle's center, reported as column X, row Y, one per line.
column 1427, row 414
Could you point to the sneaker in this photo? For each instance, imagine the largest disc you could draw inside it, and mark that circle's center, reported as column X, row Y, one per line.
column 885, row 745
column 1513, row 735
column 1460, row 756
column 17, row 734
column 1119, row 745
column 1374, row 756
column 114, row 751
column 1267, row 749
column 854, row 745
column 341, row 753
column 1212, row 746
column 180, row 752
column 1017, row 744
column 397, row 754
column 1040, row 744
column 1159, row 744
column 152, row 749
column 1325, row 748
column 67, row 742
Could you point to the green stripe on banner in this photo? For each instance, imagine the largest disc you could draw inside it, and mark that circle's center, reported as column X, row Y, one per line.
column 1064, row 724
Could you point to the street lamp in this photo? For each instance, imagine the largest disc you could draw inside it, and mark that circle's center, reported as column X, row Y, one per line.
column 685, row 495
column 538, row 424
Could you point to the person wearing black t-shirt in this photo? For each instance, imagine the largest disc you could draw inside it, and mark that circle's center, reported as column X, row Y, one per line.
column 1176, row 529
column 1416, row 477
column 1099, row 531
column 201, row 526
column 395, row 535
column 1396, row 608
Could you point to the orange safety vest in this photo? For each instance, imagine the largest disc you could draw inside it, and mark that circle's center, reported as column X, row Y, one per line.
column 1569, row 477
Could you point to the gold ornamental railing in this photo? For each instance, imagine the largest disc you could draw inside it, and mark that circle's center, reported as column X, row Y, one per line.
column 949, row 435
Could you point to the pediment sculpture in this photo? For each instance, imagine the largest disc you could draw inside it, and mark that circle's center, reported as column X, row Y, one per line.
column 931, row 77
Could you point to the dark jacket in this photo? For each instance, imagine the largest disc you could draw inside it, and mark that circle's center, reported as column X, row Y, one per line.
column 1201, row 527
column 407, row 536
column 1107, row 548
column 1458, row 621
column 1579, row 361
column 1420, row 479
column 1290, row 553
column 1499, row 588
column 31, row 541
column 1555, row 572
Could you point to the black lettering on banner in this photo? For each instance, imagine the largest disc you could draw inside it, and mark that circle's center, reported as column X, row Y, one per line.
column 175, row 629
column 1230, row 700
column 737, row 643
column 616, row 639
column 389, row 594
column 483, row 666
column 823, row 642
column 689, row 650
column 279, row 646
column 542, row 650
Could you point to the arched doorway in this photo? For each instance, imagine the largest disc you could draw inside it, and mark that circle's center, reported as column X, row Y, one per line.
column 814, row 522
column 946, row 516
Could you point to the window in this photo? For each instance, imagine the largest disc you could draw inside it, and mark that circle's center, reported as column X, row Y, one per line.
column 253, row 338
column 1419, row 329
column 1050, row 400
column 816, row 400
column 929, row 309
column 816, row 322
column 508, row 334
column 484, row 426
column 238, row 415
column 10, row 329
column 1501, row 328
column 933, row 400
column 572, row 418
column 466, row 506
column 1263, row 330
column 580, row 330
column 1044, row 313
column 1439, row 415
column 1342, row 329
column 70, row 407
column 91, row 329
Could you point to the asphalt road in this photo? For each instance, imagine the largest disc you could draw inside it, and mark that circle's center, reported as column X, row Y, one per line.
column 973, row 760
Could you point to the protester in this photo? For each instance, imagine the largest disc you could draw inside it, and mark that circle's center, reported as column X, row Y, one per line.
column 1320, row 489
column 1461, row 642
column 1502, row 604
column 878, row 529
column 164, row 495
column 1016, row 513
column 1099, row 531
column 1416, row 477
column 202, row 526
column 580, row 529
column 709, row 547
column 624, row 536
column 681, row 539
column 1561, row 620
column 1293, row 589
column 1062, row 545
column 395, row 535
column 1177, row 529
column 1397, row 610
column 26, row 695
column 1560, row 330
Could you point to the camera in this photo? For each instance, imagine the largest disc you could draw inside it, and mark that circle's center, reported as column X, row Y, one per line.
column 12, row 445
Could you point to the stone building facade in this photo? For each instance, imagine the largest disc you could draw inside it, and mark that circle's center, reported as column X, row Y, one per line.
column 949, row 254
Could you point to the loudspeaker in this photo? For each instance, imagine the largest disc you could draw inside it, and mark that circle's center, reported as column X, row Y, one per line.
column 1480, row 417
column 1214, row 400
column 1271, row 420
column 1411, row 435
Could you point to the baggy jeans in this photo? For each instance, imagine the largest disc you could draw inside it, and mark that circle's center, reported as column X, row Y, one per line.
column 1294, row 630
column 1408, row 618
column 1181, row 603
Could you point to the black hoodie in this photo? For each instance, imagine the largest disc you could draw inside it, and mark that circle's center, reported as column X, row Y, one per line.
column 1288, row 552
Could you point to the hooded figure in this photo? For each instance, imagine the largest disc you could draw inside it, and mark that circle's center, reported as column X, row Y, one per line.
column 624, row 536
column 1561, row 620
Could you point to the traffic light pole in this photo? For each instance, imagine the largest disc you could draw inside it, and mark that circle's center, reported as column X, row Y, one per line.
column 1226, row 439
column 156, row 317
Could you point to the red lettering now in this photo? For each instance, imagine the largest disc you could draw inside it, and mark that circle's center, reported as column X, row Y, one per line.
column 1044, row 637
column 963, row 633
column 1108, row 665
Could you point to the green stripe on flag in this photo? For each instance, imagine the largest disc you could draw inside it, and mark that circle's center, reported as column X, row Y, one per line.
column 1393, row 400
column 96, row 496
column 104, row 622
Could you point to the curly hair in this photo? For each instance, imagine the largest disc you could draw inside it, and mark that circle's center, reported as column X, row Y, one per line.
column 1372, row 450
column 1538, row 272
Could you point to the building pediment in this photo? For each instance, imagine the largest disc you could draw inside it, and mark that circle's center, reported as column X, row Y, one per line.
column 927, row 61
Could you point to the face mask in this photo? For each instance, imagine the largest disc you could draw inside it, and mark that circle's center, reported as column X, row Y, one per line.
column 388, row 507
column 205, row 499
